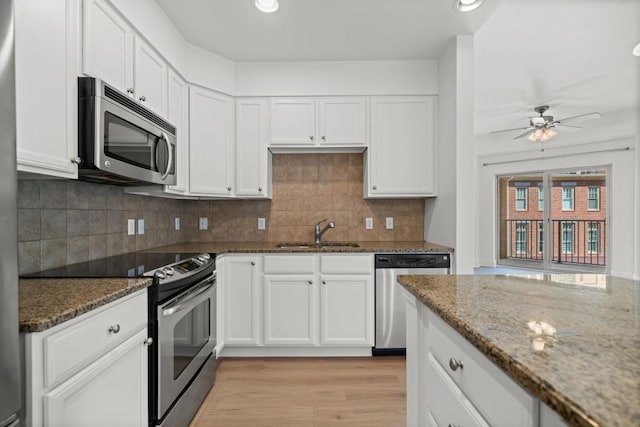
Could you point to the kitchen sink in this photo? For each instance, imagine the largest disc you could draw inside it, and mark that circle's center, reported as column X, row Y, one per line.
column 311, row 245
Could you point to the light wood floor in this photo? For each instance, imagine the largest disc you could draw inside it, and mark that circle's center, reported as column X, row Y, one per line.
column 301, row 392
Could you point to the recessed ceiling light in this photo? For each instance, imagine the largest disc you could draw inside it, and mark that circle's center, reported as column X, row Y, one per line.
column 636, row 50
column 267, row 6
column 467, row 5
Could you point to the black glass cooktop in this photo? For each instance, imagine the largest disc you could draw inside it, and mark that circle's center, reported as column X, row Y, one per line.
column 126, row 265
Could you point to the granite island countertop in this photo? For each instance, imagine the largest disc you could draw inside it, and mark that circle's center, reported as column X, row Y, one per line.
column 45, row 303
column 591, row 375
column 270, row 247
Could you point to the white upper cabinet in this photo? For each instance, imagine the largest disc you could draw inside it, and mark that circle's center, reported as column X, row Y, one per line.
column 321, row 122
column 108, row 45
column 114, row 53
column 150, row 77
column 47, row 40
column 178, row 114
column 253, row 159
column 211, row 143
column 400, row 161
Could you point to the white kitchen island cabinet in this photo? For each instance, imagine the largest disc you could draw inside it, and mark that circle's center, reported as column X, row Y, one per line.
column 91, row 370
column 401, row 159
column 211, row 143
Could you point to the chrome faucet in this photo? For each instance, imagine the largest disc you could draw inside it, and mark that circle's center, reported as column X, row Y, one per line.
column 318, row 232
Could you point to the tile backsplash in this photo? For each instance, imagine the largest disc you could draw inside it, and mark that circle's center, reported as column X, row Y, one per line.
column 66, row 222
column 306, row 189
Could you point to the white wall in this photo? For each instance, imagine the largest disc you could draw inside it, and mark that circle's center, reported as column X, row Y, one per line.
column 450, row 218
column 417, row 77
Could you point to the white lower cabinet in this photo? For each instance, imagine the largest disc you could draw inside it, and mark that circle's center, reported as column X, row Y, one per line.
column 476, row 394
column 304, row 304
column 91, row 370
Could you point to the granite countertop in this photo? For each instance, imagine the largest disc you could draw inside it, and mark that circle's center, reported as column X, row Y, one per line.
column 270, row 247
column 591, row 375
column 45, row 303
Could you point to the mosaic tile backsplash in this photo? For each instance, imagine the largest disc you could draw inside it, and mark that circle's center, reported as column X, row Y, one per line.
column 65, row 222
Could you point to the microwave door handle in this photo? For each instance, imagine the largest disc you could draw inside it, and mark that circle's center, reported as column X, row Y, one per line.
column 170, row 160
column 181, row 304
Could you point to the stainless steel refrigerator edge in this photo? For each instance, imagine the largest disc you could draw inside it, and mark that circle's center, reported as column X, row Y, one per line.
column 9, row 329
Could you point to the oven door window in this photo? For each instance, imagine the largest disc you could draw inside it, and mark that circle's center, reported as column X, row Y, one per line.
column 129, row 143
column 190, row 334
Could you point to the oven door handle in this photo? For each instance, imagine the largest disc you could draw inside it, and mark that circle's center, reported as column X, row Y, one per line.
column 182, row 303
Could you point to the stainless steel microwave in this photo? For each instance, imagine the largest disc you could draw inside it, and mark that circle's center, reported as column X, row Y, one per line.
column 120, row 141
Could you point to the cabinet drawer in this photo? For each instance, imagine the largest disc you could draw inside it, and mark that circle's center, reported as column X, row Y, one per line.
column 447, row 404
column 70, row 349
column 285, row 264
column 346, row 264
column 499, row 399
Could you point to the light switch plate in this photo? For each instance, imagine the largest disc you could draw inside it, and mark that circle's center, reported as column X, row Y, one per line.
column 368, row 223
column 131, row 227
column 177, row 223
column 203, row 223
column 261, row 224
column 140, row 226
column 389, row 222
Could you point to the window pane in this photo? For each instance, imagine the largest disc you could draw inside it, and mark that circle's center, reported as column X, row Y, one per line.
column 567, row 198
column 594, row 199
column 521, row 199
column 540, row 199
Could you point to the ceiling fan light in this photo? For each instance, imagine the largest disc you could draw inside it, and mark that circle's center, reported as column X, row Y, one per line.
column 542, row 134
column 467, row 5
column 267, row 6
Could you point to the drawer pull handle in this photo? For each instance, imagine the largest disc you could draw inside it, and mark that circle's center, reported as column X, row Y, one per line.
column 148, row 341
column 114, row 328
column 455, row 364
column 452, row 425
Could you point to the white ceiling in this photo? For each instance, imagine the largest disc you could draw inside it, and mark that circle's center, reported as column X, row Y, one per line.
column 574, row 55
column 323, row 30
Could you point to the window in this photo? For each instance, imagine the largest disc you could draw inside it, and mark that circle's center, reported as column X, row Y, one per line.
column 593, row 237
column 567, row 198
column 540, row 237
column 521, row 199
column 521, row 237
column 540, row 199
column 567, row 237
column 593, row 201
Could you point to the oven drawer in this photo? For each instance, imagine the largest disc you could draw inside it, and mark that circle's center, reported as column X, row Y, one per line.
column 74, row 347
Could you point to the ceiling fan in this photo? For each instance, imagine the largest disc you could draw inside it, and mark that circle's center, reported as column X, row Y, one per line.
column 541, row 128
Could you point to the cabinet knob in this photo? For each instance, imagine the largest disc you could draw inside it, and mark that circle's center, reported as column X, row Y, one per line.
column 148, row 341
column 311, row 137
column 452, row 425
column 253, row 263
column 311, row 282
column 130, row 90
column 375, row 187
column 324, row 282
column 455, row 364
column 324, row 138
column 76, row 160
column 229, row 188
column 114, row 328
column 260, row 189
column 142, row 98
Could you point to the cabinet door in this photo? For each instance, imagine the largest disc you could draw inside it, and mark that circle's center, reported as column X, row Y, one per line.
column 293, row 121
column 346, row 310
column 211, row 139
column 110, row 392
column 290, row 310
column 342, row 121
column 401, row 156
column 108, row 45
column 178, row 114
column 253, row 159
column 242, row 280
column 47, row 36
column 150, row 78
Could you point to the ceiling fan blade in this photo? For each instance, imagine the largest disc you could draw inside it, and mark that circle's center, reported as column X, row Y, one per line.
column 509, row 130
column 565, row 126
column 587, row 116
column 523, row 134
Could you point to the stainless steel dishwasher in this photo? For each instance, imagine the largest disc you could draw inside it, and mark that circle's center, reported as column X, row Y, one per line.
column 390, row 304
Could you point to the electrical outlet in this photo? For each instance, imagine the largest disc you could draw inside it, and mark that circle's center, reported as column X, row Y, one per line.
column 177, row 223
column 368, row 223
column 389, row 222
column 131, row 227
column 203, row 224
column 261, row 224
column 140, row 226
